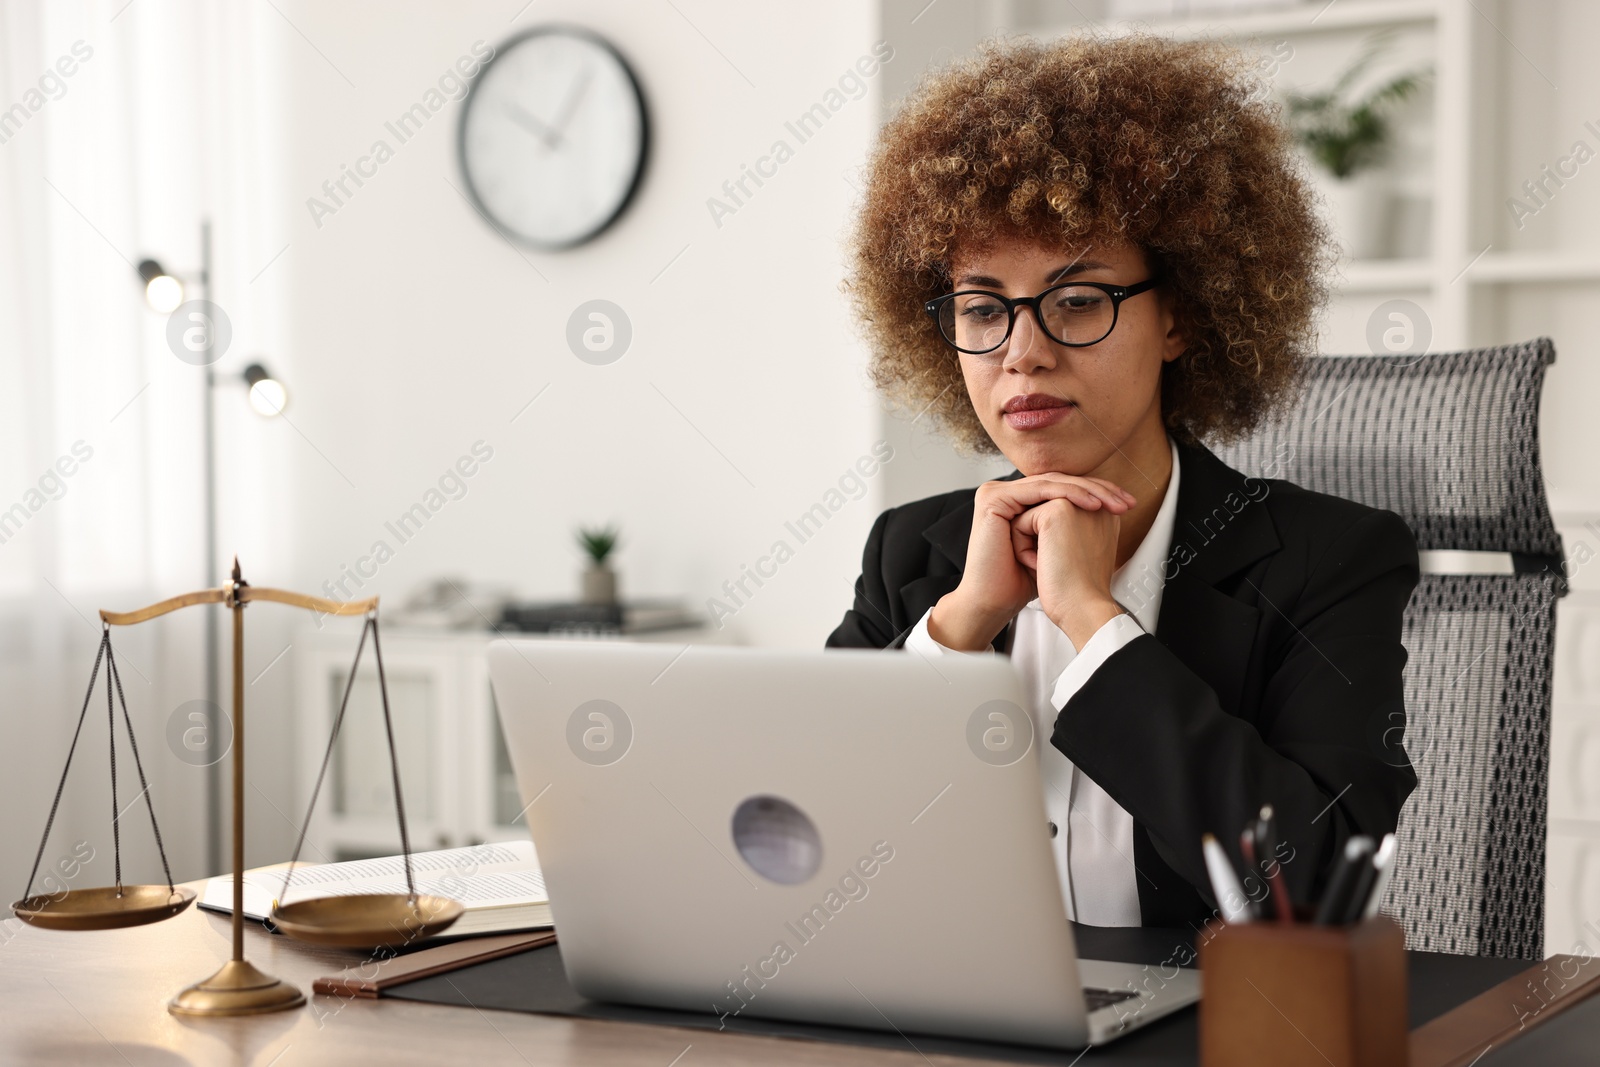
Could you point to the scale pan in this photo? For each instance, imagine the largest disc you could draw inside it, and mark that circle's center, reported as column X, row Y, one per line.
column 366, row 920
column 103, row 908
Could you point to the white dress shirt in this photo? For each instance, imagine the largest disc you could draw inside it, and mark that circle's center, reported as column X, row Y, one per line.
column 1091, row 834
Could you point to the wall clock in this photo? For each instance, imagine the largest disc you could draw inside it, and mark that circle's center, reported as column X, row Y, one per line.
column 553, row 137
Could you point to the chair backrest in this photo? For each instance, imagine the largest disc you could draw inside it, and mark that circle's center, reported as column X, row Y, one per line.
column 1450, row 442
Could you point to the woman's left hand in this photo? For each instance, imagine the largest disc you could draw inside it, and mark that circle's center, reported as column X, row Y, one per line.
column 1072, row 553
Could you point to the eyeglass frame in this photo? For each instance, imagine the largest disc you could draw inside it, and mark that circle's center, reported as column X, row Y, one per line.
column 1117, row 293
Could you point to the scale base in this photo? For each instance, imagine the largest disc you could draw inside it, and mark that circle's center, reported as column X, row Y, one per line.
column 237, row 989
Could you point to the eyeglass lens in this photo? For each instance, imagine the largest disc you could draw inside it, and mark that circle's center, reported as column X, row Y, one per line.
column 1073, row 314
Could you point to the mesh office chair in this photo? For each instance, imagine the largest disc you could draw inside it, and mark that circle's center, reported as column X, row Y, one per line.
column 1450, row 442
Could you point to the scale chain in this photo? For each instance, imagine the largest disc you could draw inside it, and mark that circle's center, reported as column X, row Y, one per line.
column 327, row 757
column 338, row 720
column 144, row 786
column 394, row 762
column 111, row 746
column 105, row 642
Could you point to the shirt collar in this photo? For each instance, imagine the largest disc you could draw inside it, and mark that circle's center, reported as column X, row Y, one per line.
column 1136, row 585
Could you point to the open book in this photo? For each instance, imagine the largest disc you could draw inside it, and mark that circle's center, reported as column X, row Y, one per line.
column 499, row 883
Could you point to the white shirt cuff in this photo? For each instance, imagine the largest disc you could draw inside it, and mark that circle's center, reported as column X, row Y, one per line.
column 922, row 642
column 1112, row 635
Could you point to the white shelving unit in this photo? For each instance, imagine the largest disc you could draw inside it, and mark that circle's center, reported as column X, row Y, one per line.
column 1447, row 275
column 1466, row 257
column 457, row 779
column 1292, row 19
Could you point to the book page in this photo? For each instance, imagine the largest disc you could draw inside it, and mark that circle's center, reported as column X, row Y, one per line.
column 494, row 875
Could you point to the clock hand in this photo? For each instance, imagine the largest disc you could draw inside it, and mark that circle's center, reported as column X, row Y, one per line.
column 527, row 121
column 574, row 97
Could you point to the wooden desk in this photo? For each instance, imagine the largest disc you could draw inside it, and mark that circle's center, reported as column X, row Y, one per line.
column 101, row 998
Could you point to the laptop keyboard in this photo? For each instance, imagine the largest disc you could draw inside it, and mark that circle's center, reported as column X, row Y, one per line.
column 1104, row 998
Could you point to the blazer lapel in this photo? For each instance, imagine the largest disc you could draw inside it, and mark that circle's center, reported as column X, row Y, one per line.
column 1221, row 527
column 951, row 532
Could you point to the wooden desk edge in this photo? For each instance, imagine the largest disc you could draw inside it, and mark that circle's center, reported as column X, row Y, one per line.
column 1460, row 1036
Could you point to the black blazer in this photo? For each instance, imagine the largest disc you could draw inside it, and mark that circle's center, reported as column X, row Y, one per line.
column 1274, row 674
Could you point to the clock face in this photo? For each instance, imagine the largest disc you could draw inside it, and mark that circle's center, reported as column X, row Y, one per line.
column 553, row 137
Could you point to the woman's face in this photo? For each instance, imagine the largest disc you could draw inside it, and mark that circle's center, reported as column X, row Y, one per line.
column 1052, row 407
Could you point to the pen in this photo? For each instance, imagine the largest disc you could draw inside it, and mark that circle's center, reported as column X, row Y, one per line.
column 1336, row 899
column 1383, row 864
column 1366, row 876
column 1224, row 882
column 1267, row 847
column 1247, row 849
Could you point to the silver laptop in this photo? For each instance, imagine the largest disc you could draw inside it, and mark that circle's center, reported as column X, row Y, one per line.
column 845, row 837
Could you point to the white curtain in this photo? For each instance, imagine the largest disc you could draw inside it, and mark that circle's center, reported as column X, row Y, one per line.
column 121, row 127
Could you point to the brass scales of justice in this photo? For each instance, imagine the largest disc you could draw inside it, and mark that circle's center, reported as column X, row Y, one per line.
column 370, row 920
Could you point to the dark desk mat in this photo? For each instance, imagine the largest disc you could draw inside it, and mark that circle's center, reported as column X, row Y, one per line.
column 535, row 982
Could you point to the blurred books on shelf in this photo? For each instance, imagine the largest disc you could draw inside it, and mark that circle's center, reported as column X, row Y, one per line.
column 448, row 603
column 459, row 604
column 600, row 620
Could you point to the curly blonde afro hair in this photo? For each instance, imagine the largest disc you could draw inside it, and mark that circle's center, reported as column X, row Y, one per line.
column 1174, row 147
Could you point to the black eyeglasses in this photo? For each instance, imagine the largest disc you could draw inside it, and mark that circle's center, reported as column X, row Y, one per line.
column 1075, row 314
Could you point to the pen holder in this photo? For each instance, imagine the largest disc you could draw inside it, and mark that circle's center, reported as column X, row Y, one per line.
column 1292, row 994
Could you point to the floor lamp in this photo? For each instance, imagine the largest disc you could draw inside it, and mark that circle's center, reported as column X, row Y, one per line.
column 164, row 293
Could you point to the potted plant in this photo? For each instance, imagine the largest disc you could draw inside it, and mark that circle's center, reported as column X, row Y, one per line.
column 1347, row 135
column 599, row 580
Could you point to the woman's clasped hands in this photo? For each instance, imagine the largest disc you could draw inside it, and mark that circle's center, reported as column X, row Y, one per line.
column 1050, row 536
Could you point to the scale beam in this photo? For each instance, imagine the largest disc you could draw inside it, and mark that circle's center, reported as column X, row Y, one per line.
column 155, row 611
column 310, row 603
column 247, row 593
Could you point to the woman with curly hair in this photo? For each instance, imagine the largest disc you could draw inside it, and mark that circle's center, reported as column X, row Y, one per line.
column 1094, row 256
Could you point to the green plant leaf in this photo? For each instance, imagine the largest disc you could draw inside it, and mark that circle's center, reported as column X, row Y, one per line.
column 1344, row 135
column 598, row 542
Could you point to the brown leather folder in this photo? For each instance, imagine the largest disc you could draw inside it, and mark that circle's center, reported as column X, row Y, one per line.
column 371, row 977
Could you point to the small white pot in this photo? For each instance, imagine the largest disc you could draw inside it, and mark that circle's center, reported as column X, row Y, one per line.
column 1358, row 209
column 599, row 585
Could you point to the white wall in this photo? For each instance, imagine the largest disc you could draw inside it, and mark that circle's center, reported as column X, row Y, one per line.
column 410, row 330
column 414, row 330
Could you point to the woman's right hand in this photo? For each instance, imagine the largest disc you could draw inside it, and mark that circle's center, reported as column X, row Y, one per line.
column 994, row 584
